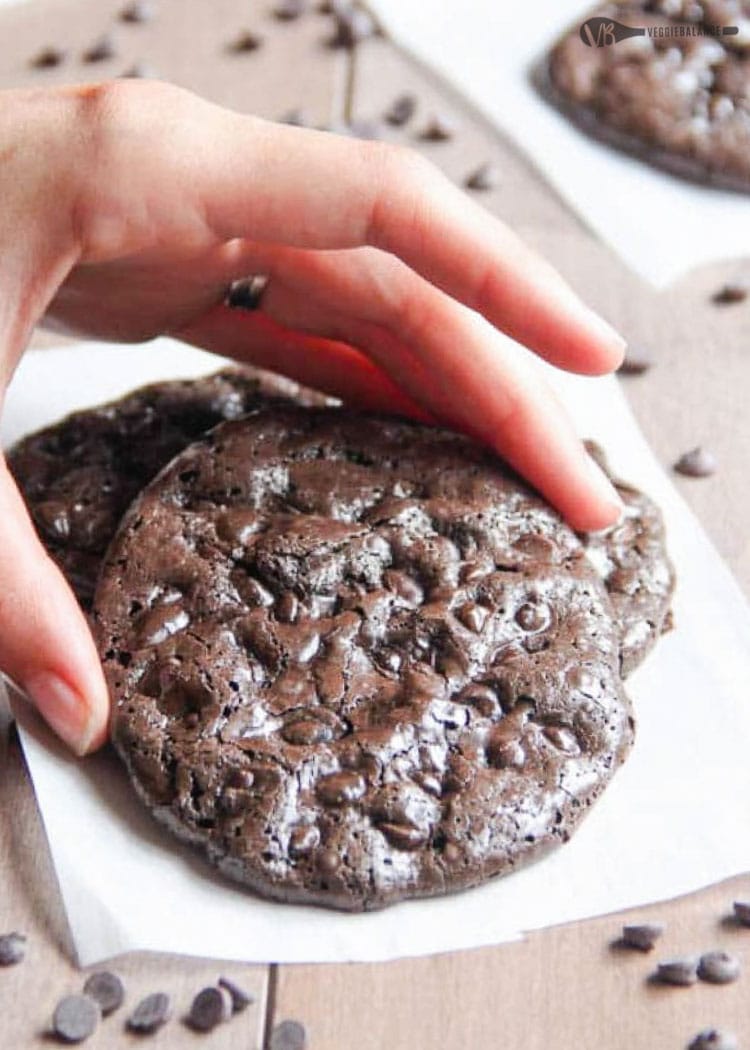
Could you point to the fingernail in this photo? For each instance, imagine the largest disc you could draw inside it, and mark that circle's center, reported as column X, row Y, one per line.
column 63, row 708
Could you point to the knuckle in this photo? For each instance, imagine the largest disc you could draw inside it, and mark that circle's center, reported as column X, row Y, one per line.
column 397, row 298
column 112, row 120
column 400, row 171
column 400, row 163
column 108, row 113
column 399, row 176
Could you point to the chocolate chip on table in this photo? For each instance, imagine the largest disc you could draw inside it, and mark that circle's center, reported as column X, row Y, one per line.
column 439, row 128
column 288, row 10
column 75, row 1018
column 245, row 42
column 742, row 912
column 12, row 948
column 719, row 967
column 732, row 292
column 240, row 998
column 289, row 1035
column 643, row 936
column 681, row 972
column 485, row 177
column 138, row 11
column 150, row 1013
column 638, row 359
column 697, row 463
column 101, row 49
column 714, row 1039
column 353, row 25
column 210, row 1007
column 49, row 57
column 401, row 110
column 106, row 989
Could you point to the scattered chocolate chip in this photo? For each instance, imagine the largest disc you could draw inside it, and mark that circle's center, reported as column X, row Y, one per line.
column 485, row 177
column 643, row 936
column 247, row 293
column 246, row 41
column 12, row 948
column 209, row 1008
column 713, row 1039
column 106, row 989
column 75, row 1018
column 289, row 1035
column 101, row 49
column 240, row 998
column 732, row 292
column 150, row 1013
column 718, row 967
column 401, row 110
column 295, row 117
column 288, row 10
column 742, row 912
column 353, row 24
column 439, row 129
column 49, row 57
column 638, row 359
column 138, row 11
column 140, row 71
column 697, row 463
column 681, row 972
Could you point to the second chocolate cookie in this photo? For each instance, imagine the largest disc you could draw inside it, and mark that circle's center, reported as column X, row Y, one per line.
column 357, row 660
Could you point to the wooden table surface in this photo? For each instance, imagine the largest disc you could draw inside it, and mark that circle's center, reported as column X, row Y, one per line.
column 560, row 989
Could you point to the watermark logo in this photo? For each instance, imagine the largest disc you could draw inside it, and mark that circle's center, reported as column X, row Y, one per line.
column 602, row 32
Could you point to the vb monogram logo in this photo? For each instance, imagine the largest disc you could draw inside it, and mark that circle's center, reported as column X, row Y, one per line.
column 602, row 32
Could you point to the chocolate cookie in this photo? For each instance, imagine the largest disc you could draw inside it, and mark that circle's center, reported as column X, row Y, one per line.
column 677, row 96
column 357, row 659
column 631, row 558
column 78, row 476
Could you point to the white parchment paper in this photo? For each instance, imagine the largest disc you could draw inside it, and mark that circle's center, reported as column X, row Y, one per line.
column 660, row 225
column 675, row 818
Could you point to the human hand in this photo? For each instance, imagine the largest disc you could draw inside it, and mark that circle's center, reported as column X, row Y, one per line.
column 129, row 207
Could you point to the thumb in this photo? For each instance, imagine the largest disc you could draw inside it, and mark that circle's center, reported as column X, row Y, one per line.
column 45, row 643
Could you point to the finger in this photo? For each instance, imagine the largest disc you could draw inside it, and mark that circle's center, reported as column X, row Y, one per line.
column 394, row 200
column 487, row 389
column 245, row 177
column 45, row 644
column 398, row 202
column 451, row 361
column 325, row 364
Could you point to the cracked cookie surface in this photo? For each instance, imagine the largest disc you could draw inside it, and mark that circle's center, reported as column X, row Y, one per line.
column 79, row 475
column 631, row 557
column 357, row 660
